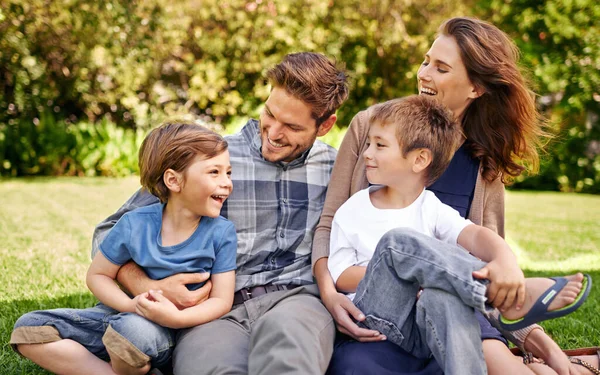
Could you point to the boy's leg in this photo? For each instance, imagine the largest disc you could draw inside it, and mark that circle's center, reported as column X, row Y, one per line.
column 451, row 332
column 65, row 357
column 64, row 340
column 414, row 257
column 134, row 343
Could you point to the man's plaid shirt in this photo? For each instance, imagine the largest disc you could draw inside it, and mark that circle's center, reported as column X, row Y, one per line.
column 275, row 208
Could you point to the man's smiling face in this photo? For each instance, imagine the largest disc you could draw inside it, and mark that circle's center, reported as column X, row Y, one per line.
column 287, row 128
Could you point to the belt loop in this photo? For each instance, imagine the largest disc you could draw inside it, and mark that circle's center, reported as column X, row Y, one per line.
column 246, row 294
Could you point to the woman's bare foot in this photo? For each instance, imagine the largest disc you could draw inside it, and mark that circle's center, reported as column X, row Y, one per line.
column 536, row 286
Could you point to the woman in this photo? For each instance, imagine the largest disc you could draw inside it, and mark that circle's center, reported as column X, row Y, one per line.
column 471, row 68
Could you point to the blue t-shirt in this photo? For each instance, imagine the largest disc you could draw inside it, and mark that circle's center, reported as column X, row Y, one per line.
column 136, row 236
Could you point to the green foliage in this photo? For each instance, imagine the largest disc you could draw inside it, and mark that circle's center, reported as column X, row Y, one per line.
column 137, row 63
column 46, row 146
column 560, row 44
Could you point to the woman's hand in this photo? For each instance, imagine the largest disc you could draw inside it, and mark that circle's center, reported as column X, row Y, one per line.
column 344, row 313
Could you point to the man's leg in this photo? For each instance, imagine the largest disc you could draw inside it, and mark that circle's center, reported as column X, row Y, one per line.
column 451, row 331
column 294, row 336
column 216, row 348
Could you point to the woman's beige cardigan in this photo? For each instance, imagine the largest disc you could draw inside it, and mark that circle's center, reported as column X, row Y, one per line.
column 349, row 176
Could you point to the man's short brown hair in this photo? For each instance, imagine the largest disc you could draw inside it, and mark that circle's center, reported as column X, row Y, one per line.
column 314, row 79
column 421, row 122
column 174, row 145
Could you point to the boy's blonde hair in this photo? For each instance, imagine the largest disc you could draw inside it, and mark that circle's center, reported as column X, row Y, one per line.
column 174, row 145
column 421, row 122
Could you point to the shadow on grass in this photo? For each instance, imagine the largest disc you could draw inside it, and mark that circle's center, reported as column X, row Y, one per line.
column 10, row 311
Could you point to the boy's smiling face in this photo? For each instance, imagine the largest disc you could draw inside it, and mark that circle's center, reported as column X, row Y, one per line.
column 206, row 185
column 383, row 158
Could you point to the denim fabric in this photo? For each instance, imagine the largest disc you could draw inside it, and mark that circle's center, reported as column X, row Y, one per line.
column 88, row 326
column 442, row 321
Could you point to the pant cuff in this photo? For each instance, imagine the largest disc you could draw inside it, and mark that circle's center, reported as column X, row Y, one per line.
column 33, row 335
column 119, row 346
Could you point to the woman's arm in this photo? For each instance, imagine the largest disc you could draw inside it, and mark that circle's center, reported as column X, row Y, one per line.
column 155, row 307
column 340, row 189
column 101, row 282
column 341, row 182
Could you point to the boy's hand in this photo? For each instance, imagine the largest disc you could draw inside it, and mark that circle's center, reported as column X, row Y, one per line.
column 507, row 283
column 175, row 290
column 157, row 308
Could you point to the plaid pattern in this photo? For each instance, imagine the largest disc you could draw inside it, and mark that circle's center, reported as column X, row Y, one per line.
column 275, row 208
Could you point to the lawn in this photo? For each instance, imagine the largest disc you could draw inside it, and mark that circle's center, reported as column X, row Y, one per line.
column 46, row 226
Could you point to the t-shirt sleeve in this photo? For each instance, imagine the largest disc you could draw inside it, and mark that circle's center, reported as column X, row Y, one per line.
column 342, row 255
column 115, row 244
column 448, row 223
column 226, row 251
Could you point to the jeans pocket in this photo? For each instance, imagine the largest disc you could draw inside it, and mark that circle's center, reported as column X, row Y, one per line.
column 387, row 328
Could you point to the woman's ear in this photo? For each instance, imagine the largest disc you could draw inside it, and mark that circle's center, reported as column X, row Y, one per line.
column 422, row 160
column 173, row 180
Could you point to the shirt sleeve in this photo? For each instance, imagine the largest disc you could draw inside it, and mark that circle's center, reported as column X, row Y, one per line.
column 226, row 252
column 141, row 198
column 448, row 223
column 342, row 255
column 115, row 245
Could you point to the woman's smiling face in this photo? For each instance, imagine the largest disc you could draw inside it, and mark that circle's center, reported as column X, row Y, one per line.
column 443, row 75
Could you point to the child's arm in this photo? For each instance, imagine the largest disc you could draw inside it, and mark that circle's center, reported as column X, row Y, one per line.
column 157, row 308
column 507, row 282
column 349, row 279
column 100, row 280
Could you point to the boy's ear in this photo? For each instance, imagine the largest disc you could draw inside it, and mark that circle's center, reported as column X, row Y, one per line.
column 326, row 125
column 173, row 180
column 422, row 160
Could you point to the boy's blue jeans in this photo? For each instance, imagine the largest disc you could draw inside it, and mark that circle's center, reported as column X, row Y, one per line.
column 133, row 338
column 441, row 322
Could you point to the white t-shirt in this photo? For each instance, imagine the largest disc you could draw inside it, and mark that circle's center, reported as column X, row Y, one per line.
column 358, row 226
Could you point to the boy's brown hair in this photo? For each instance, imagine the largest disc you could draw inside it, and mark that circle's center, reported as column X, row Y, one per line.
column 314, row 79
column 174, row 145
column 421, row 122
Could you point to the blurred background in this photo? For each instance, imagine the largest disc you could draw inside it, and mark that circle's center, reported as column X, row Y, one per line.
column 82, row 81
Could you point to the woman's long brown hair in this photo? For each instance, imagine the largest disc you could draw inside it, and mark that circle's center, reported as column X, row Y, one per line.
column 502, row 126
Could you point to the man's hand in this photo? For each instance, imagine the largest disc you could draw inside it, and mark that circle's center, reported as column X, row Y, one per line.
column 343, row 312
column 153, row 306
column 175, row 290
column 507, row 283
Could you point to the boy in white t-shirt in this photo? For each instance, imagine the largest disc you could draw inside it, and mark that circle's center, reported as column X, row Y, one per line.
column 408, row 238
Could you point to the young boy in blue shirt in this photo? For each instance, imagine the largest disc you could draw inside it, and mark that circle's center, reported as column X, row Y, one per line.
column 396, row 238
column 187, row 167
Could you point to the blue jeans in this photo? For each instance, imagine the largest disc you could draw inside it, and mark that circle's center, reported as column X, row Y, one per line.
column 100, row 329
column 441, row 322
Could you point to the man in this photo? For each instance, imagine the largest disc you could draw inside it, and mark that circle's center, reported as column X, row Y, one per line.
column 280, row 174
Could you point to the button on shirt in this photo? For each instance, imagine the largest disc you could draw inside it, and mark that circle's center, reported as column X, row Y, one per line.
column 275, row 208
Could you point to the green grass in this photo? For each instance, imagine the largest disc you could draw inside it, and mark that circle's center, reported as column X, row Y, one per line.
column 46, row 226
